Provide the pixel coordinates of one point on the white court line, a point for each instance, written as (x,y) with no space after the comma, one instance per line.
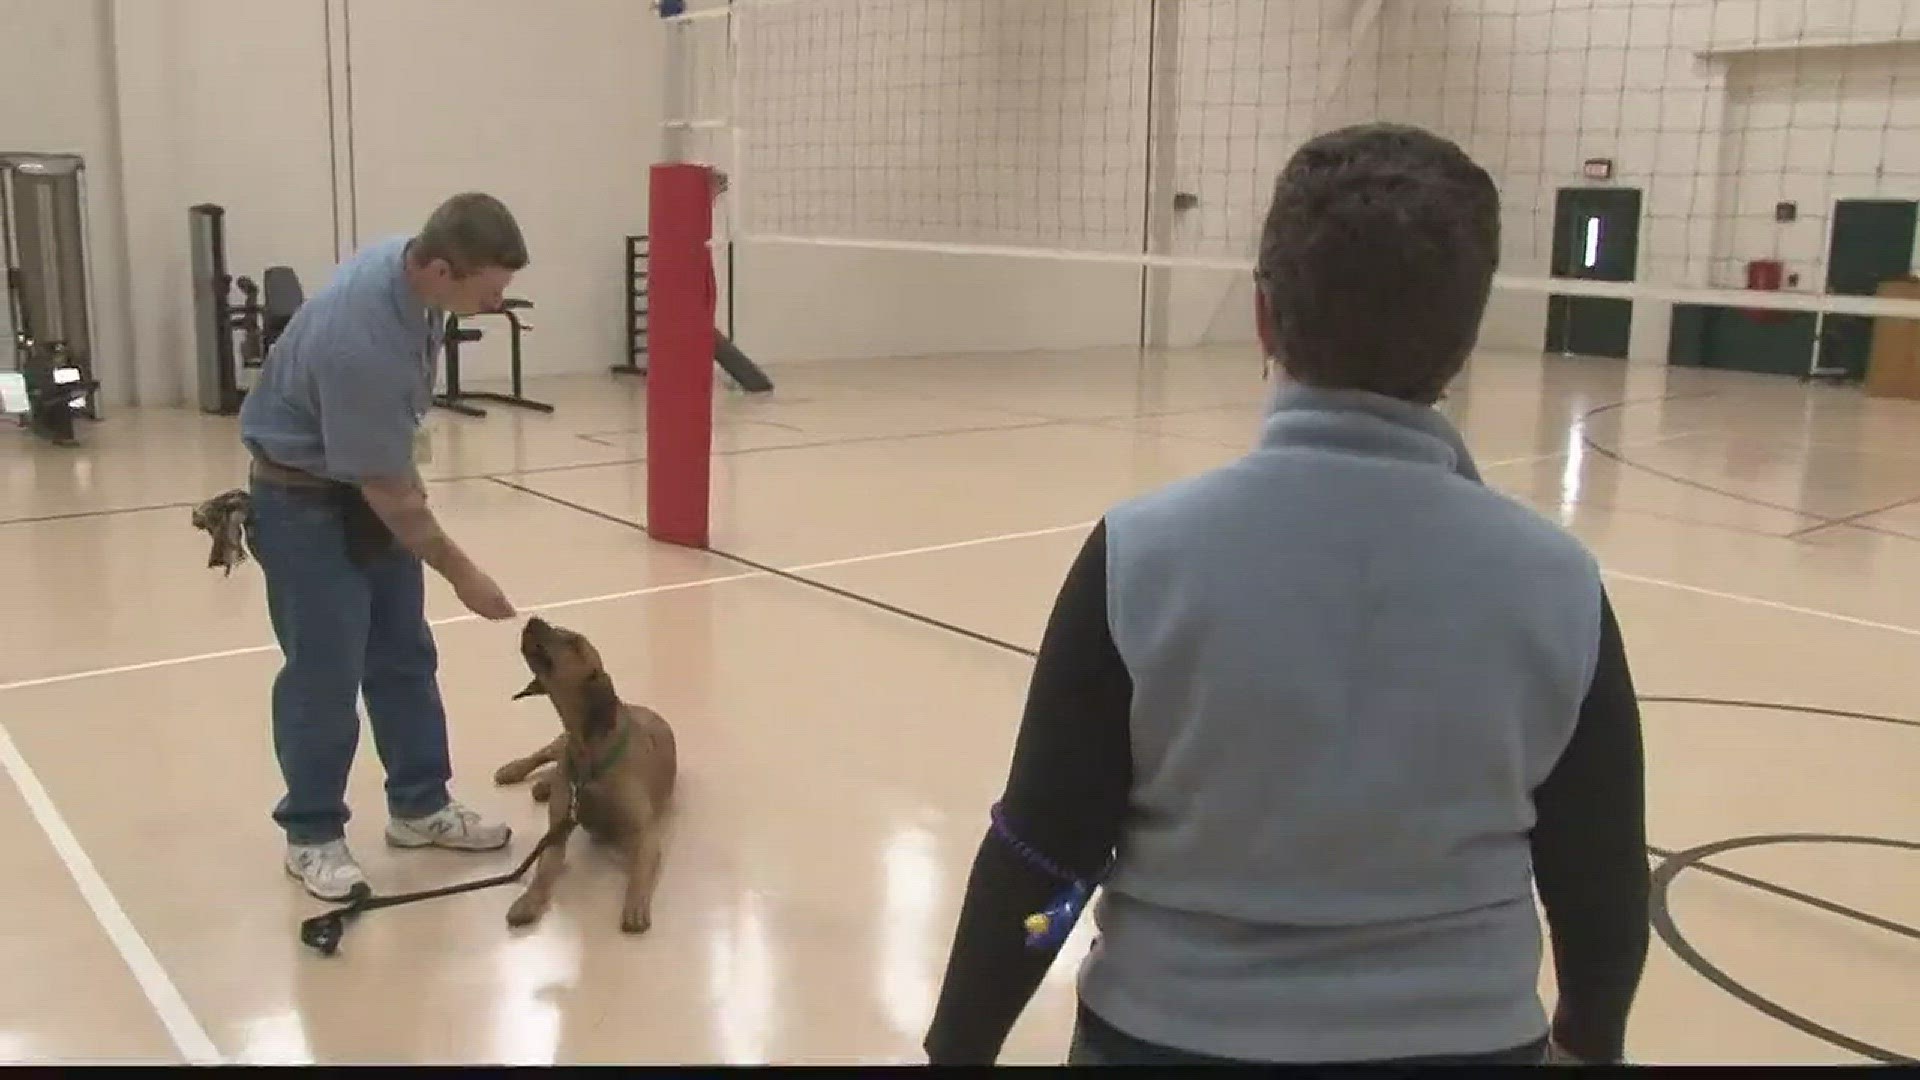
(182,1027)
(1528,460)
(935,548)
(249,650)
(1636,444)
(188,1036)
(185,1030)
(1777,605)
(857,560)
(556,605)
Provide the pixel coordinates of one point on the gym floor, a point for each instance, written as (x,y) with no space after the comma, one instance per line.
(1762,540)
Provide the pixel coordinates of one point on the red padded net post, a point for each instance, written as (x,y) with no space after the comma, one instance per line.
(681,294)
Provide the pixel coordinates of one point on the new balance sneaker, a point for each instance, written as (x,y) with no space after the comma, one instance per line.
(453,826)
(326,870)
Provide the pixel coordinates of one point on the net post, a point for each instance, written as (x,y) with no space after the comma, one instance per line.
(682,297)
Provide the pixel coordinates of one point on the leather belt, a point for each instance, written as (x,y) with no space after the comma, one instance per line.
(267,469)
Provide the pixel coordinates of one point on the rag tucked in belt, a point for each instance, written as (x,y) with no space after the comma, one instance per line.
(228,517)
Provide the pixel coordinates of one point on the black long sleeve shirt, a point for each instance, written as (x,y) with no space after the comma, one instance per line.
(1068,790)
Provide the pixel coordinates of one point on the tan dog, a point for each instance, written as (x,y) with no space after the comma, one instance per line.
(612,771)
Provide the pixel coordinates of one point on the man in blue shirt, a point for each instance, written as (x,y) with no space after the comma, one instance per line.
(342,530)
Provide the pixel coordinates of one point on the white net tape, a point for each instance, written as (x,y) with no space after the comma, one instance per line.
(1150,131)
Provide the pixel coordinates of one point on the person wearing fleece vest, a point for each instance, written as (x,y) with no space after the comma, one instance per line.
(1316,723)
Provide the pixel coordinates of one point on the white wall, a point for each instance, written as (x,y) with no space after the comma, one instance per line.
(224,102)
(553,108)
(227,101)
(985,122)
(805,303)
(57,96)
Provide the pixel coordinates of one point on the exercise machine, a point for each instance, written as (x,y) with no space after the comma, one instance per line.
(737,365)
(455,399)
(49,287)
(260,315)
(636,308)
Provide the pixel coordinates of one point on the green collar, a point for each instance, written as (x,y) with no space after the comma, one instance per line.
(591,771)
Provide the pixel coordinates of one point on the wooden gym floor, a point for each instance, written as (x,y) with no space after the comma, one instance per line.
(1762,540)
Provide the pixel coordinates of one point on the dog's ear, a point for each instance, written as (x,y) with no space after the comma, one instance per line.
(534,689)
(602,703)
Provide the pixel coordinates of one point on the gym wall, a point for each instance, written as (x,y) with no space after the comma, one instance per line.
(319,124)
(56,95)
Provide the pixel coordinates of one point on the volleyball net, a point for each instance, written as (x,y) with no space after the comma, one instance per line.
(1679,178)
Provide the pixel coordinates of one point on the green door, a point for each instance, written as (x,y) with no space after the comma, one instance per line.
(1596,237)
(1872,242)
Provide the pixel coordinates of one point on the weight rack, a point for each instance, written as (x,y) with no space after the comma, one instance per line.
(636,330)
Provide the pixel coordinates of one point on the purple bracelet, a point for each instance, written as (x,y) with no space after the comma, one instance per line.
(1025,851)
(1048,928)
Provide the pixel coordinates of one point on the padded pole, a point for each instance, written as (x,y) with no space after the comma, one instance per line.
(682,299)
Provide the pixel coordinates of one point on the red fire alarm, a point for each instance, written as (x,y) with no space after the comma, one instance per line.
(1597,168)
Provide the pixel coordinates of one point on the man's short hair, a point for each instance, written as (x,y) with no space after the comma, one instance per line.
(472,232)
(1377,260)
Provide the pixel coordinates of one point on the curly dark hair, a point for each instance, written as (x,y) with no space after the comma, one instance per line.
(1377,260)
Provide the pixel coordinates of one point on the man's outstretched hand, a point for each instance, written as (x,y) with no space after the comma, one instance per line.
(481,594)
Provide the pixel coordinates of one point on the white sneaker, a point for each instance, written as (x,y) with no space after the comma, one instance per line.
(327,870)
(454,826)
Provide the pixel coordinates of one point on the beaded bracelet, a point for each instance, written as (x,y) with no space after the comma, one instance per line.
(1048,927)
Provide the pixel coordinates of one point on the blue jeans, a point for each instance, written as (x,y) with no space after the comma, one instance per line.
(346,630)
(1096,1042)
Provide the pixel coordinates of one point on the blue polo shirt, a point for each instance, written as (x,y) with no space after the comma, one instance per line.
(348,382)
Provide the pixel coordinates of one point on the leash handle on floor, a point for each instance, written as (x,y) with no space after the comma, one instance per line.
(324,931)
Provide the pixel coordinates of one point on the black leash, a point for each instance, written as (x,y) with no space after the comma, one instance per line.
(323,932)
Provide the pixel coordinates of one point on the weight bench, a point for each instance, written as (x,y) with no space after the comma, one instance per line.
(265,310)
(455,399)
(282,298)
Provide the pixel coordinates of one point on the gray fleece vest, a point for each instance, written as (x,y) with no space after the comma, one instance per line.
(1352,663)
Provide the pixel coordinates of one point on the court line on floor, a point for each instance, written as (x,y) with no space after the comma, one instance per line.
(1030,653)
(183,1027)
(744,451)
(1030,420)
(580,466)
(1855,519)
(192,1040)
(792,572)
(1761,601)
(112,511)
(816,444)
(1881,530)
(250,650)
(556,605)
(1816,522)
(168,1003)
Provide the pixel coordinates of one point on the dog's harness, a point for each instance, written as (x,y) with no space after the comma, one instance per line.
(579,773)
